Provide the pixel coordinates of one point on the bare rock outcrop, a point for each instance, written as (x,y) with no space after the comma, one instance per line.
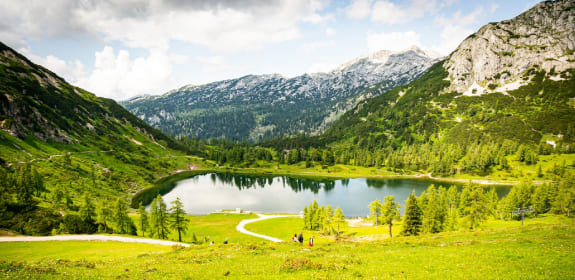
(542,38)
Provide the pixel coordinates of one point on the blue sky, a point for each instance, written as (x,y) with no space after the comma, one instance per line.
(124,48)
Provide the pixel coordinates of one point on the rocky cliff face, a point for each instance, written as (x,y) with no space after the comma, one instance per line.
(499,56)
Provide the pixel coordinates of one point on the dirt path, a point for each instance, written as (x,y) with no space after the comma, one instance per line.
(86,237)
(262,217)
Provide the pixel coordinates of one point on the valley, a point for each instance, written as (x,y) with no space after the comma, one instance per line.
(397,164)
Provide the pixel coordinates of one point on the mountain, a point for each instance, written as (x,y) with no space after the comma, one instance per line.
(59,142)
(256,107)
(510,81)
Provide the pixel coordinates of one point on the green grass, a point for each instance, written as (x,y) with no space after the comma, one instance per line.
(216,227)
(542,249)
(76,250)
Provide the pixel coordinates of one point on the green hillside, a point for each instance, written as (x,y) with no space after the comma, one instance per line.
(59,142)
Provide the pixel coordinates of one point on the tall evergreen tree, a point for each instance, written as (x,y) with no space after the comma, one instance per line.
(103,215)
(143,218)
(413,218)
(390,211)
(178,220)
(159,218)
(474,205)
(338,218)
(87,210)
(375,211)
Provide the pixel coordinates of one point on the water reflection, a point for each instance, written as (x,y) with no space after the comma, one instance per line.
(203,194)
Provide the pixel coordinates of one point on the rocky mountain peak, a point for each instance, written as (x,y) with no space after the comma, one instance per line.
(498,56)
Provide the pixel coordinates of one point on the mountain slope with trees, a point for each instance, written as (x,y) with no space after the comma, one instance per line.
(258,107)
(59,142)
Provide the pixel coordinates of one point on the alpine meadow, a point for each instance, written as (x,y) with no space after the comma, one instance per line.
(416,162)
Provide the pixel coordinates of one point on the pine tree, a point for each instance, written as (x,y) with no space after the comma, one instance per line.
(159,218)
(178,222)
(565,198)
(339,218)
(122,223)
(143,219)
(306,219)
(103,215)
(87,210)
(390,211)
(375,211)
(413,216)
(474,205)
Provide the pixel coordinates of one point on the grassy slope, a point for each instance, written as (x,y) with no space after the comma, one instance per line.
(542,249)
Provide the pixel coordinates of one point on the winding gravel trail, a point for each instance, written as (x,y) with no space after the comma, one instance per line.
(262,217)
(86,237)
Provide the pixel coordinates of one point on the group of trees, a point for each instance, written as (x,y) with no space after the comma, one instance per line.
(161,220)
(439,209)
(323,218)
(384,213)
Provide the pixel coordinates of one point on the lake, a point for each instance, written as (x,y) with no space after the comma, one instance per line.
(204,194)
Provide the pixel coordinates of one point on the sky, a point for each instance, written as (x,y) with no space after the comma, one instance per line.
(124,48)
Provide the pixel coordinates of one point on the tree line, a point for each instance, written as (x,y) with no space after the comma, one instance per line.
(439,209)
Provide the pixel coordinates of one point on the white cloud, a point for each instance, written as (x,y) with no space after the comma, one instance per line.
(359,9)
(217,24)
(388,12)
(395,41)
(69,70)
(121,77)
(211,64)
(320,67)
(315,46)
(493,7)
(330,31)
(455,29)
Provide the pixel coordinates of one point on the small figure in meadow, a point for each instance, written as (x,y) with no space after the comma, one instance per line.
(212,243)
(226,241)
(294,238)
(310,242)
(300,238)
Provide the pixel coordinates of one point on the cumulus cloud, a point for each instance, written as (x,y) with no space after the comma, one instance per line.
(318,45)
(69,70)
(388,12)
(120,77)
(359,9)
(455,29)
(394,41)
(320,67)
(218,24)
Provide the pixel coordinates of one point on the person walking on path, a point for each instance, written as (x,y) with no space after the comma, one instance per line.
(310,242)
(300,238)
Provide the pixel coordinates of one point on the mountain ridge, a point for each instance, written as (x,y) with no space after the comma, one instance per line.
(278,105)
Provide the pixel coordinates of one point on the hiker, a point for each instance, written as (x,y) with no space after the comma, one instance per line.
(226,241)
(212,243)
(300,238)
(310,242)
(294,238)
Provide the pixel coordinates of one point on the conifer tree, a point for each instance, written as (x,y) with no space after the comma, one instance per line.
(375,211)
(143,218)
(87,210)
(339,218)
(390,211)
(178,220)
(413,216)
(103,215)
(474,205)
(159,218)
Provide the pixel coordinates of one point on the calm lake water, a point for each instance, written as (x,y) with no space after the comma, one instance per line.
(204,194)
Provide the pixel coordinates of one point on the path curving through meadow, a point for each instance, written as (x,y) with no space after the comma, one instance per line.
(262,217)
